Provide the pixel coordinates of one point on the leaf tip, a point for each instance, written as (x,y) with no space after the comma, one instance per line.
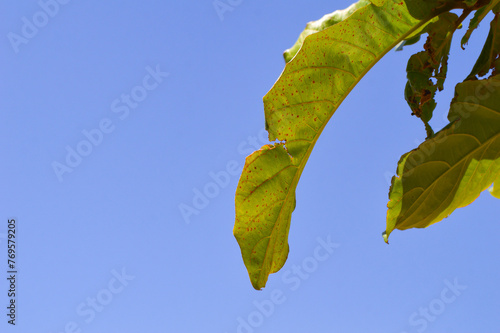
(256,286)
(494,190)
(385,235)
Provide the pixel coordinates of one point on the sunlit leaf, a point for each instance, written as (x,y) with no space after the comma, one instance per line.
(312,86)
(263,214)
(451,169)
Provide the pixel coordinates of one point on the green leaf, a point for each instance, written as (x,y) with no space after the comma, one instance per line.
(430,64)
(479,15)
(451,169)
(473,24)
(323,23)
(262,213)
(489,57)
(297,108)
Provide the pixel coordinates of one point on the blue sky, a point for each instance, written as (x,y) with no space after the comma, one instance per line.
(163,100)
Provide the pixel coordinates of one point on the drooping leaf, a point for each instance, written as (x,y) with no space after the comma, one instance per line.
(479,15)
(473,24)
(263,236)
(451,169)
(314,83)
(321,24)
(426,66)
(490,54)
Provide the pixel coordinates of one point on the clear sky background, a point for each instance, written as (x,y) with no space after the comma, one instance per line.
(103,247)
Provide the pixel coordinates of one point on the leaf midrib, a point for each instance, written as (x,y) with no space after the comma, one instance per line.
(301,165)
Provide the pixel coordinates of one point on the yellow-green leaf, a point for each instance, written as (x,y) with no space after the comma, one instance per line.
(314,83)
(450,170)
(263,214)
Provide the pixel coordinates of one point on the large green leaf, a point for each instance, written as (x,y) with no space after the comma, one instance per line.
(312,86)
(451,169)
(326,21)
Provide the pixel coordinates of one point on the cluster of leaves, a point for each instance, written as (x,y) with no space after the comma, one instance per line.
(448,170)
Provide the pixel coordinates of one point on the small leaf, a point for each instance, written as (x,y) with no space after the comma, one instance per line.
(451,169)
(323,23)
(473,24)
(426,66)
(479,15)
(490,53)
